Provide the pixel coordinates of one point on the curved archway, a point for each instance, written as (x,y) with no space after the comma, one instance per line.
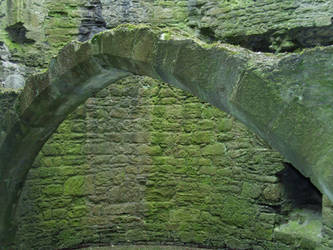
(285,99)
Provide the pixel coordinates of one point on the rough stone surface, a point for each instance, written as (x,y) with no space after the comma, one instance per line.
(34,30)
(92,20)
(125,11)
(145,162)
(266,25)
(252,86)
(327,223)
(163,12)
(11,74)
(14,81)
(41,28)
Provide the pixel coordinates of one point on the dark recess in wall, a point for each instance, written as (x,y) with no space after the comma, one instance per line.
(299,190)
(208,34)
(17,33)
(275,41)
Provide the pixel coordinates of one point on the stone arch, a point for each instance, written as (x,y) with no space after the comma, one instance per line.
(286,99)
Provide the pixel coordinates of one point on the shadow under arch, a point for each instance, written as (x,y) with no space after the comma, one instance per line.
(286,99)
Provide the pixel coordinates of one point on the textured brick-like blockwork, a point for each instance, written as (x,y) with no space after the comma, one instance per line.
(145,162)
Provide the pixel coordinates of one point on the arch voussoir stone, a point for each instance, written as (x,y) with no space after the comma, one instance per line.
(274,95)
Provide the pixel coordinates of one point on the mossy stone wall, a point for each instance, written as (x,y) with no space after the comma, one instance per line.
(266,25)
(7,99)
(163,12)
(52,206)
(133,163)
(49,26)
(144,162)
(327,223)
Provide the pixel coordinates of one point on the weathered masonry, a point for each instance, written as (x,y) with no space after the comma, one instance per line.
(283,98)
(96,151)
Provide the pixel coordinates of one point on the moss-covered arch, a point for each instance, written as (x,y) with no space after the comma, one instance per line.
(285,99)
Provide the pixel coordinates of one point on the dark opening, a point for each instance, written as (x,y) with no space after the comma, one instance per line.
(276,41)
(300,192)
(208,34)
(17,33)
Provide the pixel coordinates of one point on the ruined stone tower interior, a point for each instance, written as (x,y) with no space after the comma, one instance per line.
(159,124)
